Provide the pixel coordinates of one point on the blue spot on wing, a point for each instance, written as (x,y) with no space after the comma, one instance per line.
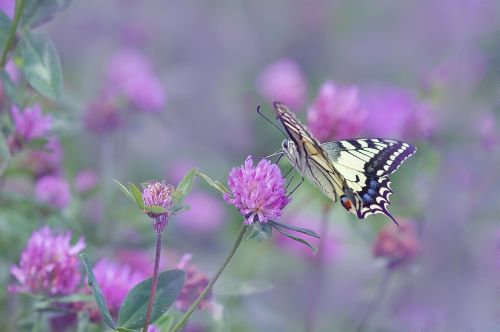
(372,192)
(373,184)
(367,198)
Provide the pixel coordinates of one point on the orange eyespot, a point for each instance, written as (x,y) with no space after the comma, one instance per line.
(346,203)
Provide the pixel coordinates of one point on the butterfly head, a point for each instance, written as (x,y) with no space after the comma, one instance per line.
(289,148)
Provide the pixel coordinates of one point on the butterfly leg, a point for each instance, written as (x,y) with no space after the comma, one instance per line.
(288,172)
(289,181)
(296,187)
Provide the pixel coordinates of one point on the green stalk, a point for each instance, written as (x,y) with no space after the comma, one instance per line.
(154,282)
(12,32)
(193,307)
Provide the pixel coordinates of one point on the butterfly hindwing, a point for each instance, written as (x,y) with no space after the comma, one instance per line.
(356,170)
(366,164)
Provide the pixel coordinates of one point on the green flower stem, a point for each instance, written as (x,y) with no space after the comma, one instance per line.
(377,299)
(154,284)
(193,307)
(315,297)
(12,32)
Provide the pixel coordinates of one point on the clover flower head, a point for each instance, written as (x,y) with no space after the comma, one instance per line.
(53,190)
(336,112)
(283,80)
(397,244)
(158,194)
(115,280)
(131,75)
(257,192)
(102,116)
(48,161)
(85,181)
(31,123)
(49,264)
(195,283)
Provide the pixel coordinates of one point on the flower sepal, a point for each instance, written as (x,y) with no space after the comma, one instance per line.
(259,231)
(221,188)
(183,188)
(283,229)
(38,144)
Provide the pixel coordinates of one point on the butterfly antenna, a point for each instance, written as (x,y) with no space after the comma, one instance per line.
(271,122)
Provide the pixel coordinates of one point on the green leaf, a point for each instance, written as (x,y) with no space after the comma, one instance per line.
(137,194)
(37,12)
(124,190)
(180,209)
(133,310)
(37,143)
(155,209)
(295,238)
(5,23)
(96,290)
(4,154)
(260,231)
(165,322)
(72,298)
(40,64)
(184,187)
(296,229)
(213,183)
(122,329)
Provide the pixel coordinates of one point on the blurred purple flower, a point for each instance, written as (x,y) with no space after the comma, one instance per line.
(85,181)
(206,214)
(8,7)
(49,264)
(102,117)
(48,161)
(336,113)
(395,113)
(138,260)
(115,280)
(53,191)
(258,193)
(31,123)
(283,81)
(130,75)
(460,73)
(331,244)
(63,322)
(397,244)
(488,131)
(195,283)
(152,328)
(159,194)
(12,70)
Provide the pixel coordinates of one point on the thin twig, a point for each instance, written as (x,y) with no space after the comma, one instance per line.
(195,305)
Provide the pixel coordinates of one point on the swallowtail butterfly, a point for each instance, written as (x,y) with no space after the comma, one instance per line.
(356,171)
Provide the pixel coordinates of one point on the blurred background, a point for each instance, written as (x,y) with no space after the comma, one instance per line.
(154,88)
